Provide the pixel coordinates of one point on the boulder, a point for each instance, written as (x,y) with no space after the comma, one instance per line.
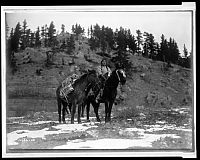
(157,99)
(139,107)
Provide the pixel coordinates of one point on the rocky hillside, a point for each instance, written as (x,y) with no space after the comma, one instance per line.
(149,86)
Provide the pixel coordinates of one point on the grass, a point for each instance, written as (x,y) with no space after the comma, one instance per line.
(126,113)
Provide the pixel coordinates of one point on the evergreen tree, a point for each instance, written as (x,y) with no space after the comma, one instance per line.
(24,35)
(71,44)
(185,52)
(16,38)
(62,28)
(145,50)
(163,49)
(28,35)
(46,36)
(103,44)
(77,30)
(52,41)
(37,38)
(131,41)
(173,52)
(63,45)
(139,41)
(88,32)
(121,39)
(152,47)
(109,38)
(123,58)
(32,39)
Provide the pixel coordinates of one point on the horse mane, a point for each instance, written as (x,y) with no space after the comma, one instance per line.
(82,77)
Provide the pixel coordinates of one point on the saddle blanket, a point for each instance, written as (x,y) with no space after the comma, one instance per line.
(67,85)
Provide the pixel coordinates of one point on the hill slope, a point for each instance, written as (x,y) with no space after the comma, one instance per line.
(149,85)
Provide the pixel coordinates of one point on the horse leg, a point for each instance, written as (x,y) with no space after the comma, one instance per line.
(65,104)
(59,109)
(88,111)
(106,112)
(96,109)
(79,113)
(82,111)
(73,110)
(70,107)
(63,111)
(109,110)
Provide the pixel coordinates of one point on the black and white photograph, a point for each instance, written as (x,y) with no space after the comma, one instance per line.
(98,80)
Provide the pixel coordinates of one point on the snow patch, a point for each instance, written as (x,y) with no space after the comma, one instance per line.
(62,128)
(146,141)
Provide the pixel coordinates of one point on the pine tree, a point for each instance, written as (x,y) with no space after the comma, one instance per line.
(146,44)
(52,41)
(24,35)
(185,52)
(62,28)
(37,38)
(163,49)
(46,36)
(123,58)
(173,52)
(32,39)
(152,47)
(71,44)
(131,41)
(103,44)
(16,38)
(28,35)
(77,30)
(139,41)
(121,39)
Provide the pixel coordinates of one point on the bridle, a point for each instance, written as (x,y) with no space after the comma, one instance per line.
(120,70)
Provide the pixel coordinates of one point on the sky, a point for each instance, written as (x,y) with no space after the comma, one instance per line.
(176,24)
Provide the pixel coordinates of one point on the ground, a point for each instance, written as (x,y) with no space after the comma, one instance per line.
(154,111)
(169,129)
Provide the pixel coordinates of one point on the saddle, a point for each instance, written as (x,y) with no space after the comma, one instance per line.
(67,85)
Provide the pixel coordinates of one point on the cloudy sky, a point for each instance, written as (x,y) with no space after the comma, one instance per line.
(175,24)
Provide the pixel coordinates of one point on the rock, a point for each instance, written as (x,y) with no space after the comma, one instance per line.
(158,99)
(139,107)
(187,100)
(142,75)
(142,116)
(146,77)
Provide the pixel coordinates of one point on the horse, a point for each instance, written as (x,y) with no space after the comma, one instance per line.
(109,94)
(77,97)
(92,96)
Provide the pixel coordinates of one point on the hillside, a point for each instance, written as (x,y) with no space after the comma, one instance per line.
(152,111)
(148,86)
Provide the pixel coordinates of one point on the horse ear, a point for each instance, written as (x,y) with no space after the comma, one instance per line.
(89,70)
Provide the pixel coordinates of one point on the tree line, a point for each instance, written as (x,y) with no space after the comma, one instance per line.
(103,39)
(144,44)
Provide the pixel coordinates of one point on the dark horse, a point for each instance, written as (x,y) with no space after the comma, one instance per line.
(77,97)
(109,94)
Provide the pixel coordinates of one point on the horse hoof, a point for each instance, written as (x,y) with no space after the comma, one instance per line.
(59,122)
(98,120)
(88,120)
(64,122)
(82,116)
(72,122)
(79,122)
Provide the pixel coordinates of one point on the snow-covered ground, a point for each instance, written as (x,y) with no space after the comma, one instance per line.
(137,137)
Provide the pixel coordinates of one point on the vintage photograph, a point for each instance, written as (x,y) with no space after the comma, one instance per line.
(89,80)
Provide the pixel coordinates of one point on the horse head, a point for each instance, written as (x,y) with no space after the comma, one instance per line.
(121,76)
(92,76)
